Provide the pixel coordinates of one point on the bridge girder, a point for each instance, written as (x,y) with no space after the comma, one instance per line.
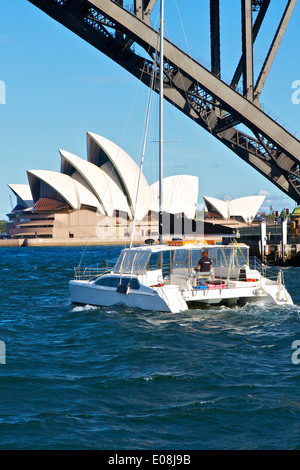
(196,91)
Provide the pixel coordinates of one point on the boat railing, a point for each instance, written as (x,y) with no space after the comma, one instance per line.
(90,273)
(268,272)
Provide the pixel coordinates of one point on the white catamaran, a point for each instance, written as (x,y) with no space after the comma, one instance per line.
(164,277)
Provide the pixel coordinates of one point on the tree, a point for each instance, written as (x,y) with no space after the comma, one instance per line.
(3,226)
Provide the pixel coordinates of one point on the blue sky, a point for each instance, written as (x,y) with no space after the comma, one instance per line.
(58,87)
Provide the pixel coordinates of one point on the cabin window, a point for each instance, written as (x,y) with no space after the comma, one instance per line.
(132,282)
(115,281)
(181,259)
(132,262)
(154,261)
(108,281)
(141,262)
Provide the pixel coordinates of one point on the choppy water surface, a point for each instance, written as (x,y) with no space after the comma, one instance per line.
(115,378)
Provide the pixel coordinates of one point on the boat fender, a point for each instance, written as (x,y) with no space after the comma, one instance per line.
(281,296)
(259,292)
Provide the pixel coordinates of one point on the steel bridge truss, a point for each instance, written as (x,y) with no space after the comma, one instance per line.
(198,92)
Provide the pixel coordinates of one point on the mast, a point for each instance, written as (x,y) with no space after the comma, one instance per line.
(161,115)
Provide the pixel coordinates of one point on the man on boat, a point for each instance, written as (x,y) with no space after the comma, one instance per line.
(204,263)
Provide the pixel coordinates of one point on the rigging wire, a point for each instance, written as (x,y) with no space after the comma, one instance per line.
(197,129)
(144,142)
(170,122)
(133,103)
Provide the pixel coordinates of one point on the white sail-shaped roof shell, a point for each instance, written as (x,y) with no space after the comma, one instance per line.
(217,205)
(122,169)
(22,191)
(109,195)
(245,207)
(180,195)
(73,192)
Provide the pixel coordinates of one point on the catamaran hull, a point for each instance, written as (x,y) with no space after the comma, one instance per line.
(86,294)
(171,299)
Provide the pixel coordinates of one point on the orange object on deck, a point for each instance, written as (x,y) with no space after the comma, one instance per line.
(191,242)
(182,242)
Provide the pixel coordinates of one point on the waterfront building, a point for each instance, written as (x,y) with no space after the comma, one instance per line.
(95,199)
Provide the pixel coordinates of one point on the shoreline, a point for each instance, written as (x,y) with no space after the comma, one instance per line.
(43,243)
(48,242)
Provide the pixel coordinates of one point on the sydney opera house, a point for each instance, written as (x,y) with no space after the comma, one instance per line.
(243,209)
(96,199)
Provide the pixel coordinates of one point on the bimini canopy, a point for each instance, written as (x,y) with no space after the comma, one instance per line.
(121,168)
(180,195)
(108,194)
(23,194)
(57,186)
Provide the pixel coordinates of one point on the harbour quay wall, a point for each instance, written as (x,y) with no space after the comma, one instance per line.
(11,242)
(27,242)
(20,242)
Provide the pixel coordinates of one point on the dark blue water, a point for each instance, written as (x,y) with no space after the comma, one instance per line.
(115,378)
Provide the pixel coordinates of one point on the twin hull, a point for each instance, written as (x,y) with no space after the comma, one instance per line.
(169,298)
(163,278)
